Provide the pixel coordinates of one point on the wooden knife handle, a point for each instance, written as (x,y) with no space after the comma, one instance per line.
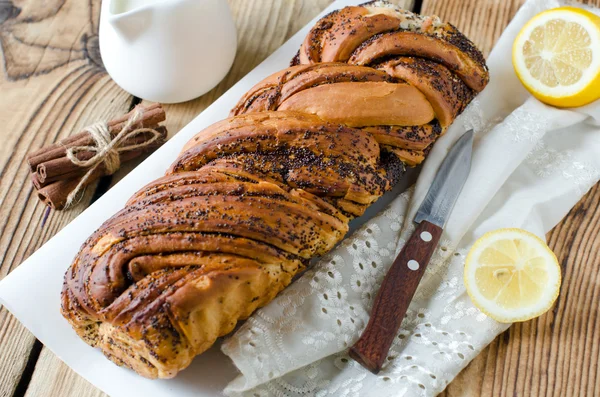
(394,296)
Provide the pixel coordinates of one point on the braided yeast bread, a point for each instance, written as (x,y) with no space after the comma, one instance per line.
(252,199)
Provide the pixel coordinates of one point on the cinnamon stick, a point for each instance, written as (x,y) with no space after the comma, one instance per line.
(55,194)
(35,181)
(54,169)
(151,116)
(63,167)
(55,176)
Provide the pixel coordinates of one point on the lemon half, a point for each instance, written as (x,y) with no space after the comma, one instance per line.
(511,275)
(557,56)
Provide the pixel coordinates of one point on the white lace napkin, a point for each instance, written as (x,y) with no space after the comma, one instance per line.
(531,164)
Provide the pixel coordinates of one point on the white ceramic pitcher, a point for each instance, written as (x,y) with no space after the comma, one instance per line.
(167,50)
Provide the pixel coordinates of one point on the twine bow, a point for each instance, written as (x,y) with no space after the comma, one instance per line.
(107,149)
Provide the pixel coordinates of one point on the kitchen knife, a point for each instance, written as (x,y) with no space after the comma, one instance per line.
(401,281)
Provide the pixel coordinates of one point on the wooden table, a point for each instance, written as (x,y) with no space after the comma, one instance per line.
(52,83)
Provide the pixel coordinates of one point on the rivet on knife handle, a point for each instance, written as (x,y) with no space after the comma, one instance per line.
(394,296)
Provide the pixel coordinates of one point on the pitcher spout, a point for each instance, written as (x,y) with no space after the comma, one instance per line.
(130,22)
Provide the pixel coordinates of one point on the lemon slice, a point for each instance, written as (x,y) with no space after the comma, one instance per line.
(511,275)
(557,56)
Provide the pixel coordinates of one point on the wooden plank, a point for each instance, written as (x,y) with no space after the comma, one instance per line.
(16,344)
(558,353)
(52,84)
(263,26)
(58,380)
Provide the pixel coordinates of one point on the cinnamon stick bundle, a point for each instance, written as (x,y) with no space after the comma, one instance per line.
(55,176)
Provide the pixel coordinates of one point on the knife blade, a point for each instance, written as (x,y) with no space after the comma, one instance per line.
(447,183)
(403,277)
